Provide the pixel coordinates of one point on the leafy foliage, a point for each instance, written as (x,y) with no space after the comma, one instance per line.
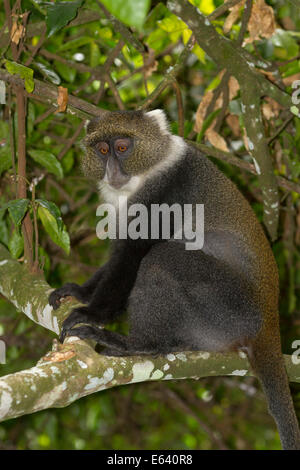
(59,14)
(24,72)
(131,12)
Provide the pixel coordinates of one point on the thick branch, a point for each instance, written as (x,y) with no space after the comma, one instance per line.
(29,293)
(48,94)
(230,56)
(74,370)
(238,162)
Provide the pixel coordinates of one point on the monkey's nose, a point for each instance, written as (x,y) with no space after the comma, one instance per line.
(114,175)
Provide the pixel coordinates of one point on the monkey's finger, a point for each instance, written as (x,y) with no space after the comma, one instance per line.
(54,300)
(69,289)
(85,332)
(78,315)
(62,335)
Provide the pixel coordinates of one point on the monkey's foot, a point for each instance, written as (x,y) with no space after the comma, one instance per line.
(115,343)
(85,332)
(69,289)
(78,315)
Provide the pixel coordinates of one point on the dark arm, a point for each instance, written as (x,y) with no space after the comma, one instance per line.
(82,293)
(116,280)
(111,293)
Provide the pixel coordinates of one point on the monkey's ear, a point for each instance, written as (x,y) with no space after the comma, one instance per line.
(92,125)
(161,119)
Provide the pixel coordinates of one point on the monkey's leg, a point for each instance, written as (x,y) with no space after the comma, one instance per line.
(267,361)
(185,300)
(115,344)
(82,293)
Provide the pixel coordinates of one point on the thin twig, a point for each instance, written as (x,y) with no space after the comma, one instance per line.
(12,139)
(222,9)
(170,75)
(44,116)
(115,92)
(36,48)
(245,20)
(280,129)
(176,398)
(27,228)
(47,93)
(179,108)
(71,141)
(35,267)
(233,160)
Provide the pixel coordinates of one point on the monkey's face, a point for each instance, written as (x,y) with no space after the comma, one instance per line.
(120,145)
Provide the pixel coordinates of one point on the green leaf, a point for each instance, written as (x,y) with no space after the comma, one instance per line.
(44,260)
(24,72)
(47,160)
(65,71)
(30,118)
(5,159)
(4,238)
(95,54)
(76,43)
(53,209)
(205,6)
(59,14)
(286,46)
(17,209)
(174,27)
(5,152)
(68,161)
(157,40)
(130,12)
(2,92)
(48,73)
(16,244)
(59,237)
(207,122)
(186,34)
(295,110)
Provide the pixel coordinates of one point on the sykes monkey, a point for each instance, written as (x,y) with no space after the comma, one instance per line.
(223,297)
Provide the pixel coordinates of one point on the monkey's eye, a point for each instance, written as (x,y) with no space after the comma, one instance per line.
(103,148)
(122,145)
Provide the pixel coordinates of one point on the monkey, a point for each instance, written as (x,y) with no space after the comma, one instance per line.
(223,297)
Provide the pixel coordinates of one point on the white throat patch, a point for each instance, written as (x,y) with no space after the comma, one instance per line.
(111,194)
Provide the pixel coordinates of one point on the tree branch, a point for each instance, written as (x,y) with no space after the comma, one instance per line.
(48,93)
(230,56)
(74,370)
(238,162)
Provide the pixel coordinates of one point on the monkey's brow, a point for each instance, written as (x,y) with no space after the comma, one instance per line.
(94,138)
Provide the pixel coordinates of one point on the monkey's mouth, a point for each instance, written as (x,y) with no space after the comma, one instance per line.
(117,181)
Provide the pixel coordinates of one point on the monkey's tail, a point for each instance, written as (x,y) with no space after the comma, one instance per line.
(267,361)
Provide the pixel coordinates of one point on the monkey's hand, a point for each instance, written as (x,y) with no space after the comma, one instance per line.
(78,315)
(88,316)
(69,289)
